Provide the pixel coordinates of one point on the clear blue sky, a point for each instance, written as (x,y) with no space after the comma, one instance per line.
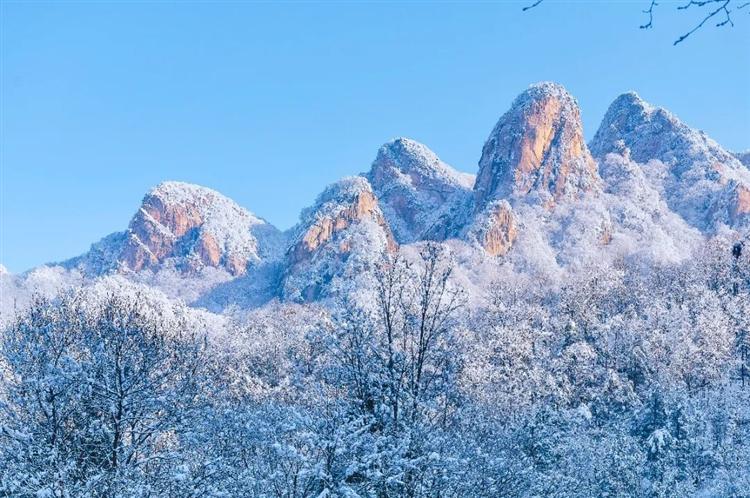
(268,103)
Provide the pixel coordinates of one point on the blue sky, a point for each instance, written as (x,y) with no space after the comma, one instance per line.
(268,103)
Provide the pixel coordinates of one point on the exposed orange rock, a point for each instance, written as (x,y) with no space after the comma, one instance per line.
(501,231)
(536,141)
(537,146)
(742,202)
(155,229)
(364,206)
(171,223)
(179,218)
(209,250)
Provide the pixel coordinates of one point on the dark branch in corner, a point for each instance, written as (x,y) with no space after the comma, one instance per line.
(722,9)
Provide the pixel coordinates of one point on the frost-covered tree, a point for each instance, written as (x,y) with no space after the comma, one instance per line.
(99,399)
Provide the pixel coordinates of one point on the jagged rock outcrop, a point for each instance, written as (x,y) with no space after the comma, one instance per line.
(339,237)
(420,195)
(537,147)
(495,228)
(343,204)
(189,227)
(700,177)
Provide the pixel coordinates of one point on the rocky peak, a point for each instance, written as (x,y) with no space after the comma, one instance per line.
(346,202)
(537,147)
(632,123)
(700,172)
(336,238)
(194,223)
(650,132)
(405,157)
(417,191)
(189,226)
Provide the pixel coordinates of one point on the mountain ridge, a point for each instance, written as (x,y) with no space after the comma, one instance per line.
(542,200)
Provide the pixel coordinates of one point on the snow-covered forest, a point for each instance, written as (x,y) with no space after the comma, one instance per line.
(626,381)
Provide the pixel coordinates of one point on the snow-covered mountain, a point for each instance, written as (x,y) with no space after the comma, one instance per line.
(543,202)
(536,155)
(573,311)
(187,227)
(537,149)
(419,194)
(700,180)
(337,239)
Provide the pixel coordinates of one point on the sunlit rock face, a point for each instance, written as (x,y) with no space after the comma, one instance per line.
(537,148)
(420,195)
(495,228)
(344,204)
(196,227)
(535,155)
(702,182)
(338,238)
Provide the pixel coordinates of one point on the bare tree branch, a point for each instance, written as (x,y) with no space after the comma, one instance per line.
(650,12)
(532,5)
(723,9)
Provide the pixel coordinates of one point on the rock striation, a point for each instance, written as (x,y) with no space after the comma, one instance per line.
(344,232)
(188,227)
(537,148)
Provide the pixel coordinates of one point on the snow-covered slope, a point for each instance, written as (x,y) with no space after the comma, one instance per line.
(702,182)
(419,194)
(743,157)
